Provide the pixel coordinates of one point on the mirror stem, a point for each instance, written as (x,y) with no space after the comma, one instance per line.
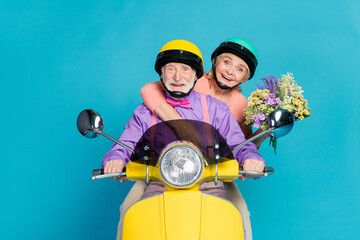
(116,141)
(252,139)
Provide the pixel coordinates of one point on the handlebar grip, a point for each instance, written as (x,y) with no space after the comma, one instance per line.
(98,171)
(101,171)
(266,169)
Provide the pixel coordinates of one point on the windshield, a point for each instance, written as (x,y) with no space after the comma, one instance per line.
(201,134)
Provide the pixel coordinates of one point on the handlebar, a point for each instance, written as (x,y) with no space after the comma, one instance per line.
(265,173)
(99,173)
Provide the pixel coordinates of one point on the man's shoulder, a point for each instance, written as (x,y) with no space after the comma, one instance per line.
(213,102)
(209,99)
(142,109)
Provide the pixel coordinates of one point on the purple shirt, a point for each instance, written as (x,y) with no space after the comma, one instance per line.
(220,117)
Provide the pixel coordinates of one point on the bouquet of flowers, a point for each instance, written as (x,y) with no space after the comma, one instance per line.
(275,94)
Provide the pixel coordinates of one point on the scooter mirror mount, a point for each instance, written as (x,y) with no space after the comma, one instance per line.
(90,124)
(279,123)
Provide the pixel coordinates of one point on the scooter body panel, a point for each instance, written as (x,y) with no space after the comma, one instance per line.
(220,219)
(183,215)
(145,220)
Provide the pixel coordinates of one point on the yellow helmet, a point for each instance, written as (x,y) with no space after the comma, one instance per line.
(180,51)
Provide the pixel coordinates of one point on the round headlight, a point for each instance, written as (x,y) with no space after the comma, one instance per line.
(181,164)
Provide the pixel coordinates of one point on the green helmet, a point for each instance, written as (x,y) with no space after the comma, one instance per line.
(241,48)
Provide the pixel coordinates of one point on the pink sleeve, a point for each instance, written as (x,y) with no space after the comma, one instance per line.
(237,103)
(153,95)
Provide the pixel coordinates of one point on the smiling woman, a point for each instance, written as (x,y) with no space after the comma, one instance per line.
(231,70)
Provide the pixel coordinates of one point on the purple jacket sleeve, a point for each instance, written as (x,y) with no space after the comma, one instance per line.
(231,131)
(131,135)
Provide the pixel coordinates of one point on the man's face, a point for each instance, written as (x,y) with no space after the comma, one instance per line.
(178,77)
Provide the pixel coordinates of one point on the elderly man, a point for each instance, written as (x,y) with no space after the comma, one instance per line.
(179,64)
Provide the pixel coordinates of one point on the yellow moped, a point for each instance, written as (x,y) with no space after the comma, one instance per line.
(182,211)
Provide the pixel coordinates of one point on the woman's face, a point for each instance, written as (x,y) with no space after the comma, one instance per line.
(231,70)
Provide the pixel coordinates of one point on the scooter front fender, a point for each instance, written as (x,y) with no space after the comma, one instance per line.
(183,215)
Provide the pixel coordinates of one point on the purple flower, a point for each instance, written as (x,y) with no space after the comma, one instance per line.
(271,100)
(262,117)
(275,83)
(267,100)
(259,87)
(258,118)
(271,83)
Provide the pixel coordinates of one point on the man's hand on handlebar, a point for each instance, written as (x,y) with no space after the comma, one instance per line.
(115,166)
(252,165)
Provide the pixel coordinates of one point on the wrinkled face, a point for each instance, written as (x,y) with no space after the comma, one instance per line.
(178,77)
(231,70)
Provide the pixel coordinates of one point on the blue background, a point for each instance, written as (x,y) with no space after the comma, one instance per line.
(57,59)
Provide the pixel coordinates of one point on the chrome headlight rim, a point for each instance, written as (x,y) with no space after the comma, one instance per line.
(190,146)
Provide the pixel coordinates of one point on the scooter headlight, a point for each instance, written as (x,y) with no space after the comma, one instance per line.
(181,164)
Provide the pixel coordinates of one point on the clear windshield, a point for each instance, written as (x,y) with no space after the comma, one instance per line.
(201,134)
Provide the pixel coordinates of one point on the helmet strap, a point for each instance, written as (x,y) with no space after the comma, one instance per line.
(220,84)
(177,94)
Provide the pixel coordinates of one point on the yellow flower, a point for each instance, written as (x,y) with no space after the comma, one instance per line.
(264,95)
(255,99)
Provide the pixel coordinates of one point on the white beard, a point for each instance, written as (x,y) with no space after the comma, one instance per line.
(185,89)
